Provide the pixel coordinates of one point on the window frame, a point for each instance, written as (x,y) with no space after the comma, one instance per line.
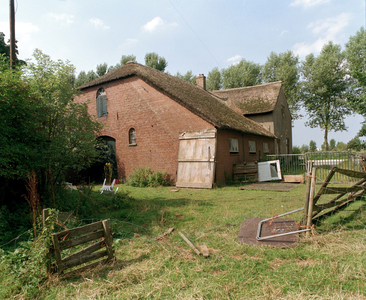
(132,137)
(233,146)
(101,99)
(251,145)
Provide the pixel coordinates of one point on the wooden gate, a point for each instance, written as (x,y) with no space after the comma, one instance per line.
(196,159)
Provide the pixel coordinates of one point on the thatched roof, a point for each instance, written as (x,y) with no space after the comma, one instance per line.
(200,102)
(250,100)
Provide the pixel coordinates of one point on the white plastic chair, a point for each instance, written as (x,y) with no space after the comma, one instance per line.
(108,188)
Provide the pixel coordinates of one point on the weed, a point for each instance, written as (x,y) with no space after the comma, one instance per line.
(143,177)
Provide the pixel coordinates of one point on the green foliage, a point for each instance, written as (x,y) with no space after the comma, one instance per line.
(81,79)
(332,144)
(245,73)
(356,61)
(22,140)
(68,128)
(143,177)
(102,69)
(312,146)
(187,77)
(356,144)
(153,60)
(285,67)
(127,58)
(214,81)
(324,90)
(341,146)
(296,150)
(27,264)
(91,75)
(304,148)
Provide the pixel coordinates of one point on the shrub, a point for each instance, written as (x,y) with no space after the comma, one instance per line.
(143,177)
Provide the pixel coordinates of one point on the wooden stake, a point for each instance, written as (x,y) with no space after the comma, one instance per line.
(189,243)
(164,234)
(311,201)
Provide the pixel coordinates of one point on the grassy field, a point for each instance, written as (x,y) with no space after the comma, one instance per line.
(329,265)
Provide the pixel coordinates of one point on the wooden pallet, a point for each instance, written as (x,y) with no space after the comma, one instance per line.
(246,172)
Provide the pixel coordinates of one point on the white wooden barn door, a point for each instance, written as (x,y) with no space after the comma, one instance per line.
(196,159)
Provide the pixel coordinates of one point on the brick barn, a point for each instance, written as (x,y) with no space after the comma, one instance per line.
(157,120)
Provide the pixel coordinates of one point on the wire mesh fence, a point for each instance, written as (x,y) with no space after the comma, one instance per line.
(296,164)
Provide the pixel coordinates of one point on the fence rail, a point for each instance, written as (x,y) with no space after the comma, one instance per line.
(296,164)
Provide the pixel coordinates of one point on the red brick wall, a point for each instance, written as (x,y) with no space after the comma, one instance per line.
(157,119)
(225,160)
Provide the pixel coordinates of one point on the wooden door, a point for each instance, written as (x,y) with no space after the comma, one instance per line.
(196,159)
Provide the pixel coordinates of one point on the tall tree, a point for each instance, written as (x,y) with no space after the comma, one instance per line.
(324,90)
(245,73)
(312,146)
(214,81)
(153,60)
(102,69)
(356,62)
(91,75)
(124,59)
(81,79)
(284,67)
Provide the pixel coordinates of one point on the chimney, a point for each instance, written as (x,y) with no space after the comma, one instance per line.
(201,81)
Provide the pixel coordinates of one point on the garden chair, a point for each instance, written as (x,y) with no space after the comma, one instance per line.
(108,188)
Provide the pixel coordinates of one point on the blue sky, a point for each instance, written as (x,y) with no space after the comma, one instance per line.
(192,35)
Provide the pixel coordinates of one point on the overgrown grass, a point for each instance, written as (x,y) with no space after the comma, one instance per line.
(329,265)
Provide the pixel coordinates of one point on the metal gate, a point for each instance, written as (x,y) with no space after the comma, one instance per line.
(196,159)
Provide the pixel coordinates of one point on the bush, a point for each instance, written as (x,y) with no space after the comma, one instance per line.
(143,177)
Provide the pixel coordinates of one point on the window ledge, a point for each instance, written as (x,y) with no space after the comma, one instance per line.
(132,145)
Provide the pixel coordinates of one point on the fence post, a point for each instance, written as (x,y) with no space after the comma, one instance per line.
(45,215)
(309,168)
(108,238)
(311,200)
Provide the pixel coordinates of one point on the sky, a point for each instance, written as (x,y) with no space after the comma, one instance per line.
(196,35)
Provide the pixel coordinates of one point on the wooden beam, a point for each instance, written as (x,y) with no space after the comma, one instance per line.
(81,240)
(189,243)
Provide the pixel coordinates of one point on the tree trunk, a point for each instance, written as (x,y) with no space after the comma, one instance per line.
(326,139)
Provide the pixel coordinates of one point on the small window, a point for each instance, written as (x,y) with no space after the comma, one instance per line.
(132,137)
(265,148)
(101,103)
(234,145)
(252,147)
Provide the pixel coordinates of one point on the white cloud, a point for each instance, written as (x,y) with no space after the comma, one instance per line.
(65,19)
(326,30)
(235,59)
(309,3)
(157,23)
(283,32)
(97,23)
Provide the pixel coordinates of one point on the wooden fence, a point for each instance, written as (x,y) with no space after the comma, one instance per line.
(100,231)
(344,195)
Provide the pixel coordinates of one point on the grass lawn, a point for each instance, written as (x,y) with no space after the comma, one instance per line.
(329,265)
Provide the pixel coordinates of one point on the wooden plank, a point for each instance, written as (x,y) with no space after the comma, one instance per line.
(81,240)
(164,234)
(79,230)
(325,183)
(311,200)
(194,160)
(86,251)
(321,207)
(108,238)
(199,185)
(350,173)
(342,190)
(307,195)
(57,252)
(203,134)
(84,259)
(189,243)
(45,214)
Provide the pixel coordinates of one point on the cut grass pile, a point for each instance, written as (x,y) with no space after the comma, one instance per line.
(329,265)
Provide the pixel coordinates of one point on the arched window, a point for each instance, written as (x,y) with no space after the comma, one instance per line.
(101,103)
(132,136)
